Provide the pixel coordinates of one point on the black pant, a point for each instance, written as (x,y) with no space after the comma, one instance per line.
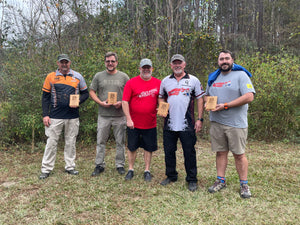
(188,140)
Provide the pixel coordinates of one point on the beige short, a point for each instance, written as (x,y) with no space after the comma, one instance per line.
(225,138)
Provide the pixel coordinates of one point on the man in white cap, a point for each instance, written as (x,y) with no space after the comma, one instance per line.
(181,89)
(58,114)
(139,104)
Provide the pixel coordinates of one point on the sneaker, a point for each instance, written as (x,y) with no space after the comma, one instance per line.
(245,191)
(44,176)
(147,176)
(72,172)
(97,171)
(167,181)
(192,186)
(218,185)
(121,170)
(129,175)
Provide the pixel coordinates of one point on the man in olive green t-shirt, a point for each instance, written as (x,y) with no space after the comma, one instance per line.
(109,115)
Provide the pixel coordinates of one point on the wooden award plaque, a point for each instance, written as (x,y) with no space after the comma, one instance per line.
(112,97)
(211,102)
(74,100)
(163,109)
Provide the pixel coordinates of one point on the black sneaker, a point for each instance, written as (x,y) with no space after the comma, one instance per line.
(147,176)
(44,176)
(167,181)
(192,186)
(97,171)
(129,175)
(72,172)
(121,170)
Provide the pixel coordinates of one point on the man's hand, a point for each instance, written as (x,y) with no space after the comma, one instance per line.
(198,126)
(118,104)
(105,104)
(47,121)
(130,124)
(219,107)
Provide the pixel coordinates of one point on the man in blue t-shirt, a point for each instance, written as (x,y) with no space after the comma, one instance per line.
(229,126)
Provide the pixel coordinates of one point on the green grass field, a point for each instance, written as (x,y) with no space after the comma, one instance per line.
(108,199)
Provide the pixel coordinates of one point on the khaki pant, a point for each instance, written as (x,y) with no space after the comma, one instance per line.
(71,128)
(105,123)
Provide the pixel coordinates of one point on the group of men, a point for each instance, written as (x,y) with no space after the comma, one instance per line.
(136,109)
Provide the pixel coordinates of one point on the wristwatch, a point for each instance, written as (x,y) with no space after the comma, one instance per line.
(225,106)
(201,119)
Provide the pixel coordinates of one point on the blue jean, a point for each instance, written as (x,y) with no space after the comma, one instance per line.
(188,140)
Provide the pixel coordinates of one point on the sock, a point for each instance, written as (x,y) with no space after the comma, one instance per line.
(222,179)
(147,171)
(243,182)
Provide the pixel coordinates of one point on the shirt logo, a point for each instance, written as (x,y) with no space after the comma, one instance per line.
(148,93)
(221,84)
(249,86)
(176,91)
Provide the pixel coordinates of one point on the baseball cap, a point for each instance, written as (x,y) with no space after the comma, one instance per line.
(63,57)
(145,62)
(177,57)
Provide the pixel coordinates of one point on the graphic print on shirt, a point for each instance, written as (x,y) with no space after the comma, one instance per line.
(222,84)
(152,93)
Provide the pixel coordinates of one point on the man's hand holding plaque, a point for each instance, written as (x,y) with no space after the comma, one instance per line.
(74,101)
(163,109)
(211,102)
(112,98)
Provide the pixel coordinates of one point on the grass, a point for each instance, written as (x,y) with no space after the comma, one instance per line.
(108,199)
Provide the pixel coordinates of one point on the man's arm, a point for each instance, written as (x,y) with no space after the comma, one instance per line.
(84,95)
(46,101)
(244,99)
(125,107)
(198,123)
(97,100)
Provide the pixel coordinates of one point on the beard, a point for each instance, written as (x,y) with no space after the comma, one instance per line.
(146,76)
(178,71)
(228,68)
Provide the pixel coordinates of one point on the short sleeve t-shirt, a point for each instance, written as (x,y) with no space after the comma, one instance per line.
(103,83)
(227,88)
(180,95)
(142,97)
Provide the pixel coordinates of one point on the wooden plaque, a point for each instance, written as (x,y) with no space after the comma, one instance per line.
(163,109)
(112,97)
(74,100)
(211,102)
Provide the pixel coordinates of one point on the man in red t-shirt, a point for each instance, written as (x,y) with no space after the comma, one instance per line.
(139,103)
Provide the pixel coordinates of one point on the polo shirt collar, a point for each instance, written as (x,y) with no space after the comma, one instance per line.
(186,76)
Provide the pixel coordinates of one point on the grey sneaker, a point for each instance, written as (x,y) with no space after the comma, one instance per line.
(218,185)
(245,191)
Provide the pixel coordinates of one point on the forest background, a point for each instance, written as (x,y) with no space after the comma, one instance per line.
(263,34)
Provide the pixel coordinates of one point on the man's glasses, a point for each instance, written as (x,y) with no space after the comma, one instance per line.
(110,61)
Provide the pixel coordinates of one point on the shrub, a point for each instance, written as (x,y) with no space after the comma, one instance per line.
(273,113)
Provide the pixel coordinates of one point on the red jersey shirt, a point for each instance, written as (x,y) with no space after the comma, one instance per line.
(142,97)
